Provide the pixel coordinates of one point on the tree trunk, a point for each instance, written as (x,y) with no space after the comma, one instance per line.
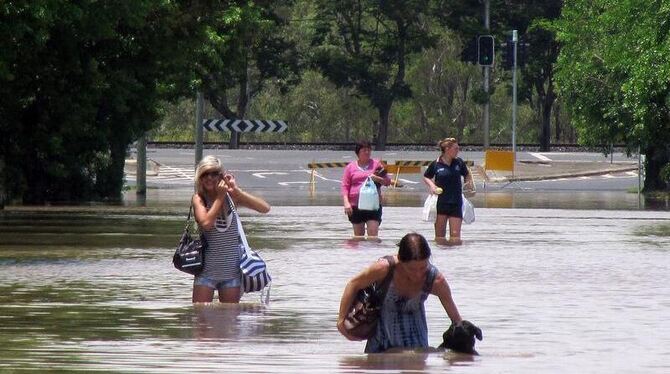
(545,133)
(462,119)
(113,173)
(2,184)
(557,122)
(382,131)
(546,104)
(234,140)
(656,156)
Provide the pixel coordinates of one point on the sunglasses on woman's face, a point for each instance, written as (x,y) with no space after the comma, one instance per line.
(212,174)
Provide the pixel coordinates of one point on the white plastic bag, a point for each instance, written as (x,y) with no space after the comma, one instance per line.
(429,208)
(468,211)
(368,198)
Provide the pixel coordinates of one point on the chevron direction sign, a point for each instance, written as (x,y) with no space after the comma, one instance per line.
(244,125)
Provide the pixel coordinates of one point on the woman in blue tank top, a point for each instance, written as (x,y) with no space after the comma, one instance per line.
(402,323)
(216,192)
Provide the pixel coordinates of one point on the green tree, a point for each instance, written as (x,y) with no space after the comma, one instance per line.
(442,86)
(524,16)
(366,45)
(79,81)
(612,74)
(246,49)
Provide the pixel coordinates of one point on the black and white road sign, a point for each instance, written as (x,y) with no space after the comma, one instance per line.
(244,125)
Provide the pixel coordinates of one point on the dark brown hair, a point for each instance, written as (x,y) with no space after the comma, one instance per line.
(362,144)
(413,247)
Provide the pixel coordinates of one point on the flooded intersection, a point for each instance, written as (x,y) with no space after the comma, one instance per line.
(552,289)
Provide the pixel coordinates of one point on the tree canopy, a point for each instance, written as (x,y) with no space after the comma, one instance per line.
(613,74)
(367,44)
(79,81)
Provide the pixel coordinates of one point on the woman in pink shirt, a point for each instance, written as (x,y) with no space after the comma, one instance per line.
(355,175)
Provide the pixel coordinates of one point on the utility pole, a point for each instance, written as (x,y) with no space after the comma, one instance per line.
(198,127)
(487,78)
(141,174)
(515,42)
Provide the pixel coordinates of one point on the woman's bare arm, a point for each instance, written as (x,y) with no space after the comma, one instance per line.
(441,290)
(373,273)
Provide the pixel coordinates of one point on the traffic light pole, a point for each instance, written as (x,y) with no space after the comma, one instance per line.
(487,78)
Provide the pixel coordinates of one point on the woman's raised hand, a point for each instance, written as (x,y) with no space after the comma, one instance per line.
(230,184)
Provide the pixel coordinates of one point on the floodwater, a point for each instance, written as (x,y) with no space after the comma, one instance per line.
(554,290)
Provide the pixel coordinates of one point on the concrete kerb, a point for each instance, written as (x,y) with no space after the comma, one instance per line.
(130,167)
(521,178)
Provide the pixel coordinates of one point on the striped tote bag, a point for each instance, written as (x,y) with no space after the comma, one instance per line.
(255,276)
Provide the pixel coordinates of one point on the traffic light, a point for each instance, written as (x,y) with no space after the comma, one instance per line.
(469,52)
(508,53)
(522,53)
(485,50)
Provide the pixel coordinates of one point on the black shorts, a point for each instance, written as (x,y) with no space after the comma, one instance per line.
(361,216)
(450,210)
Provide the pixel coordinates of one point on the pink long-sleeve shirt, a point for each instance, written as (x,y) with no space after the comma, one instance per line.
(354,177)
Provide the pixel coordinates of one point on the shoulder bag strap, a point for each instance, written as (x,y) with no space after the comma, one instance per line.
(240,229)
(188,219)
(389,276)
(430,278)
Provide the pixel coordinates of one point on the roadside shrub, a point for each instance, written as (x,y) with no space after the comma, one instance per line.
(665,174)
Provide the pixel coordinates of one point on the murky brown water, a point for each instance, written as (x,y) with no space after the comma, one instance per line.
(553,291)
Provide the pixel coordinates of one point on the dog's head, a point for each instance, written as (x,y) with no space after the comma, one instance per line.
(461,337)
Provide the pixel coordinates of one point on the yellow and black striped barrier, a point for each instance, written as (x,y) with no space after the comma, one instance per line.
(322,165)
(413,163)
(424,163)
(411,167)
(400,166)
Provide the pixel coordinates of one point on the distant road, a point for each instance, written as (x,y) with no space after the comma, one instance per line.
(287,169)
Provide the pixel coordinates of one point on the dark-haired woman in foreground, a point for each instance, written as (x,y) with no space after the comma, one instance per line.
(403,317)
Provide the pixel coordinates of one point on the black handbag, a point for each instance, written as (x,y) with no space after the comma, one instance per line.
(190,254)
(363,316)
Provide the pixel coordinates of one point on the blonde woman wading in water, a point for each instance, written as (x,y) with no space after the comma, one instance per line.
(443,178)
(216,192)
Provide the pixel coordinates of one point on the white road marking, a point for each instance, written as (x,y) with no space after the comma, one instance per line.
(287,183)
(539,156)
(263,175)
(317,175)
(172,173)
(408,181)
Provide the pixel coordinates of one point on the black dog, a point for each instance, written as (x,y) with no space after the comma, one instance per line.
(461,337)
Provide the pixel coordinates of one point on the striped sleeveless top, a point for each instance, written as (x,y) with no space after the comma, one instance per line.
(222,257)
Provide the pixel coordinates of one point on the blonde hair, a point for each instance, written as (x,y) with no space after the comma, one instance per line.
(207,164)
(446,143)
